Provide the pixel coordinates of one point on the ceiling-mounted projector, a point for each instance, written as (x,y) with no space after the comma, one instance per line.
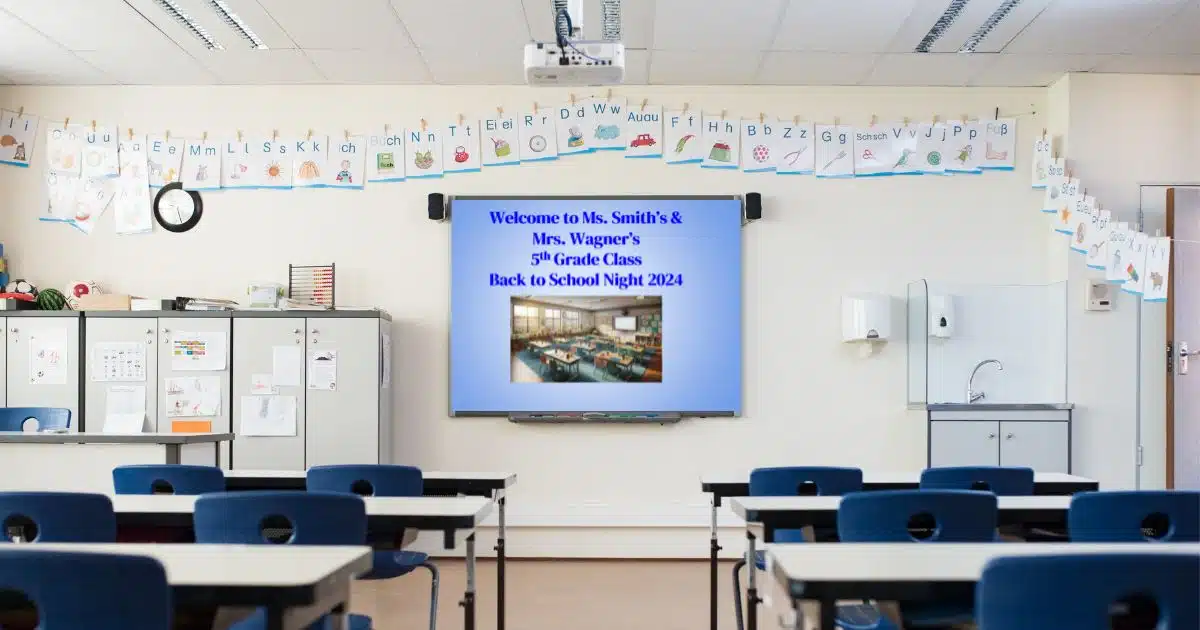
(570,61)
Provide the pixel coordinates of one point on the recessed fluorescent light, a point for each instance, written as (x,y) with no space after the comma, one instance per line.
(237,24)
(941,26)
(186,21)
(1000,13)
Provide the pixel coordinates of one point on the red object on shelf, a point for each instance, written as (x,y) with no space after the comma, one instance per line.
(25,297)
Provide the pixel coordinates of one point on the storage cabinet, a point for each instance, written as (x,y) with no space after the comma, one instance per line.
(1033,436)
(1041,446)
(41,358)
(964,443)
(255,340)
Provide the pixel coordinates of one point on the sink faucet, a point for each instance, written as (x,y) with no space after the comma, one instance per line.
(972,395)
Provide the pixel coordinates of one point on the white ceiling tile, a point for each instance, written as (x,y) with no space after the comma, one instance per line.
(1093,26)
(260,67)
(815,68)
(474,28)
(1149,64)
(715,24)
(846,26)
(357,25)
(676,67)
(447,68)
(28,58)
(1019,70)
(637,21)
(135,67)
(87,24)
(1180,34)
(370,66)
(934,69)
(249,11)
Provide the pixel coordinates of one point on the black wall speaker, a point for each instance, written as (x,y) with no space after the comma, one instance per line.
(753,206)
(437,206)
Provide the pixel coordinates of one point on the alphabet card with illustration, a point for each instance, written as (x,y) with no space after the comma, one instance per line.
(644,131)
(385,155)
(999,144)
(758,145)
(275,167)
(574,127)
(95,195)
(905,143)
(239,156)
(1158,269)
(721,141)
(964,146)
(682,142)
(1064,209)
(794,153)
(131,201)
(608,124)
(164,159)
(310,159)
(539,140)
(1085,213)
(1041,161)
(931,146)
(1135,265)
(834,151)
(18,131)
(1118,254)
(460,147)
(1056,176)
(347,162)
(500,141)
(1098,237)
(874,152)
(64,147)
(100,152)
(201,164)
(423,152)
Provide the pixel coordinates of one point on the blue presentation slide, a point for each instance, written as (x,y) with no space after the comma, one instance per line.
(587,304)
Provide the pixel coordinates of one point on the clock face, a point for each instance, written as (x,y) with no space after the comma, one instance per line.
(176,209)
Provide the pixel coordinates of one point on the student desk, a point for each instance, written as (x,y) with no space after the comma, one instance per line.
(775,513)
(83,462)
(297,585)
(721,486)
(493,485)
(387,517)
(909,571)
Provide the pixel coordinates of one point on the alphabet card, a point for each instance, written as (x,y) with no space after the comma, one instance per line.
(131,153)
(1098,238)
(931,145)
(794,147)
(644,130)
(423,152)
(999,144)
(275,167)
(1065,206)
(758,145)
(834,151)
(460,147)
(1135,265)
(721,143)
(1158,269)
(1041,161)
(385,156)
(64,147)
(131,202)
(238,157)
(874,153)
(310,160)
(573,125)
(682,143)
(1056,175)
(963,147)
(1085,212)
(17,134)
(1118,255)
(164,159)
(608,121)
(347,162)
(201,164)
(905,142)
(95,195)
(500,141)
(537,133)
(100,152)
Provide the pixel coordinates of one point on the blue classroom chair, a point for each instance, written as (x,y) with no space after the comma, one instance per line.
(168,479)
(62,517)
(282,517)
(1001,480)
(1150,590)
(923,516)
(1135,516)
(790,481)
(48,418)
(89,590)
(382,481)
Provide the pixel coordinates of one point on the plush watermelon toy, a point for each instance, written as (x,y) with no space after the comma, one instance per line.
(51,300)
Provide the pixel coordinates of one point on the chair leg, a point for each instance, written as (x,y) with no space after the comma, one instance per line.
(433,598)
(737,592)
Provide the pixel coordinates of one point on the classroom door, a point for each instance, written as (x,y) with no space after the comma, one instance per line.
(1183,333)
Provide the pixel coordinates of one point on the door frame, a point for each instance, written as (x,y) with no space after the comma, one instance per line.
(1174,350)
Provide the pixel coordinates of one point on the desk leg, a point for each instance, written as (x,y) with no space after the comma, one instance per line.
(752,584)
(828,614)
(713,548)
(468,602)
(275,618)
(500,559)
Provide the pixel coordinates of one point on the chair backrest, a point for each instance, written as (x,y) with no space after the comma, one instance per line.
(789,481)
(368,480)
(1135,516)
(97,591)
(1001,480)
(167,479)
(918,516)
(65,517)
(1152,591)
(48,418)
(260,517)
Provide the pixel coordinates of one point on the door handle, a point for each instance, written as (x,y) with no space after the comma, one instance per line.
(991,436)
(1184,355)
(1009,436)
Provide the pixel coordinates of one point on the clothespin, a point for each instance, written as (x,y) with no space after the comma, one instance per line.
(347,132)
(274,135)
(836,121)
(874,119)
(644,101)
(21,111)
(93,126)
(965,118)
(609,97)
(204,137)
(722,114)
(535,108)
(460,120)
(239,135)
(906,121)
(66,122)
(500,111)
(309,138)
(761,118)
(935,119)
(131,133)
(997,117)
(423,124)
(386,128)
(572,100)
(167,136)
(796,119)
(685,108)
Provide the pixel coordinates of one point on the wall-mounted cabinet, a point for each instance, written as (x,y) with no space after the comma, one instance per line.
(1032,436)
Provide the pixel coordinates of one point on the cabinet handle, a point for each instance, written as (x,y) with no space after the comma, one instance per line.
(315,331)
(1009,436)
(13,330)
(150,331)
(991,436)
(165,331)
(296,331)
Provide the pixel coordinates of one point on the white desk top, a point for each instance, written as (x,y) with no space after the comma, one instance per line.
(433,474)
(22,437)
(475,508)
(742,505)
(905,477)
(918,562)
(234,565)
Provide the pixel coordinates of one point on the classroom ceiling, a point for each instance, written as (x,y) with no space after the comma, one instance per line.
(670,42)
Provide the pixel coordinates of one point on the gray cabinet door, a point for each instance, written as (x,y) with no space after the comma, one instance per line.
(965,443)
(32,381)
(343,421)
(4,360)
(172,328)
(119,330)
(254,343)
(1042,446)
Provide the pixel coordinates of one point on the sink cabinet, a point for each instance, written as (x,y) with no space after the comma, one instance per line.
(1037,437)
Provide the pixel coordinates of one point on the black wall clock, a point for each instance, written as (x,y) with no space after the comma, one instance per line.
(176,209)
